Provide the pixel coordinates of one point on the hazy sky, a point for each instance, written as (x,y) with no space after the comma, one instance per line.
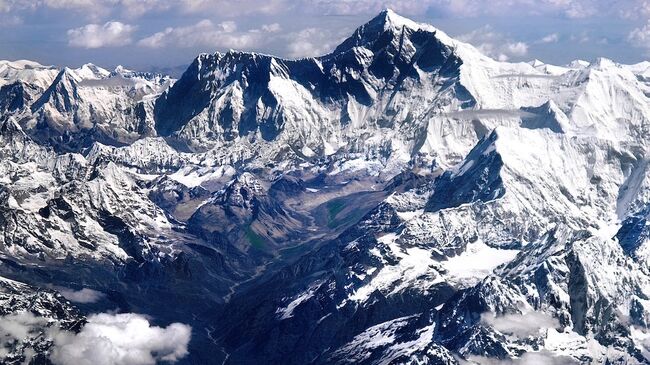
(165,33)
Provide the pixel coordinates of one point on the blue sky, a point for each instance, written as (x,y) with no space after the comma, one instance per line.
(164,33)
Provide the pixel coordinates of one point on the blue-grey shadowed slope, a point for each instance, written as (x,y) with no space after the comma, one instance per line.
(634,232)
(477,179)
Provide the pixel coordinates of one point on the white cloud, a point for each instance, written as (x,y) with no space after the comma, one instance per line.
(271,28)
(93,9)
(18,326)
(227,26)
(111,34)
(529,358)
(520,325)
(72,4)
(204,33)
(641,337)
(107,339)
(640,37)
(634,9)
(311,42)
(582,37)
(120,339)
(96,9)
(231,8)
(551,38)
(517,48)
(578,10)
(495,44)
(84,295)
(136,8)
(14,5)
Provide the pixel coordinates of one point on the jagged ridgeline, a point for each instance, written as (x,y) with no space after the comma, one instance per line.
(404,199)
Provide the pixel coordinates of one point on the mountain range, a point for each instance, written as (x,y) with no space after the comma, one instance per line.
(404,199)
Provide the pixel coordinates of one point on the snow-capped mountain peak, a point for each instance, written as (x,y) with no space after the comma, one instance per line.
(91,71)
(389,19)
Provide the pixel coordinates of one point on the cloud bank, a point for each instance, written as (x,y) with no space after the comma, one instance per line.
(121,339)
(107,339)
(520,325)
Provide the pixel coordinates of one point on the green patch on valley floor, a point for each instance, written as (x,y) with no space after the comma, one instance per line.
(333,209)
(255,239)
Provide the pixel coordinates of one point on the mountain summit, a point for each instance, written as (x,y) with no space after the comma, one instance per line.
(382,80)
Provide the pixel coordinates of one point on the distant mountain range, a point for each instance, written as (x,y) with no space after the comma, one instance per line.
(404,199)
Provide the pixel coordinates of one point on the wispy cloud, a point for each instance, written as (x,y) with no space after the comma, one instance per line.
(84,295)
(520,325)
(8,20)
(640,37)
(17,5)
(495,44)
(99,9)
(468,8)
(235,8)
(271,28)
(94,9)
(208,34)
(582,37)
(311,42)
(551,38)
